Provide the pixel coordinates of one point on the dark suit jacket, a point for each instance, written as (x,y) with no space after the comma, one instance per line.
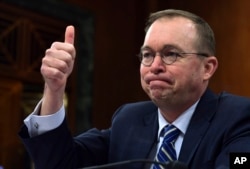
(220,125)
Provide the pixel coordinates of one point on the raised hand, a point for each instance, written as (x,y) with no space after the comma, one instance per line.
(58,62)
(57,65)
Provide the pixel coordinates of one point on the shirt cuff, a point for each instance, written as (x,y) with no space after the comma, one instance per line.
(38,125)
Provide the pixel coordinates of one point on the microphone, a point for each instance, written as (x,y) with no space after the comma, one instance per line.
(168,165)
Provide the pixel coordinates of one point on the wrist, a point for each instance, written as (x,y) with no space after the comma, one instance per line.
(52,101)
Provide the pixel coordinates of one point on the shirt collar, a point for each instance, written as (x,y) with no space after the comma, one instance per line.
(181,122)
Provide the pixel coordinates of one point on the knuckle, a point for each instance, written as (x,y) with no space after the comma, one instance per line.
(54,44)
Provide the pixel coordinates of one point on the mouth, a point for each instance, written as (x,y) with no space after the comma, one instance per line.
(158,80)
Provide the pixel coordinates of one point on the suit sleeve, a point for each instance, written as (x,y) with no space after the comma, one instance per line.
(57,149)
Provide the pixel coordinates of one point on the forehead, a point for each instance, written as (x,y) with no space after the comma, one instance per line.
(177,31)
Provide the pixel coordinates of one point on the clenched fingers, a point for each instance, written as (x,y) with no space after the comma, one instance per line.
(58,61)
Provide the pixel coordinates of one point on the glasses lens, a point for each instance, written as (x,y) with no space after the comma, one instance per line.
(147,58)
(169,57)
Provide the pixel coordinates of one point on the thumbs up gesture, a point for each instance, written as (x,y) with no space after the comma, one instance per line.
(58,61)
(57,65)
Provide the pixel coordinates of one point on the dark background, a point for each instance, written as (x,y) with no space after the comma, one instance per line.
(108,36)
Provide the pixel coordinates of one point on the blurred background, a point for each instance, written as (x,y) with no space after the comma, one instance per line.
(108,36)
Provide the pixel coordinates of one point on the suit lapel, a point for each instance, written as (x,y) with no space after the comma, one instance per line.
(146,135)
(198,126)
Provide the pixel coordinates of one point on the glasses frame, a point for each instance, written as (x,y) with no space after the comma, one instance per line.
(178,54)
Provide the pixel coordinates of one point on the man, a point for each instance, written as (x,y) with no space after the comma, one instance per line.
(177,61)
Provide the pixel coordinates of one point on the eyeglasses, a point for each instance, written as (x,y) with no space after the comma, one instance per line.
(168,57)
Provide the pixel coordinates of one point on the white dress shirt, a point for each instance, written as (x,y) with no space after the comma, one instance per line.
(40,124)
(181,123)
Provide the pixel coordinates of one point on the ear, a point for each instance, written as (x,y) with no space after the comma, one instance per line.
(210,66)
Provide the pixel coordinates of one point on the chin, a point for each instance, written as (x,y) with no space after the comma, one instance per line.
(157,97)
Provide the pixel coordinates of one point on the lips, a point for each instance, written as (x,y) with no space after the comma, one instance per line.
(157,79)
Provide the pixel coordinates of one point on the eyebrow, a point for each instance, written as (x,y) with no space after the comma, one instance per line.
(145,48)
(167,46)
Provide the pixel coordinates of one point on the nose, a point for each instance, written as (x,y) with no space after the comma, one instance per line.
(158,66)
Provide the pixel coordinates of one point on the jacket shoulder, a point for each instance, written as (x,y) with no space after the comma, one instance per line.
(231,99)
(135,110)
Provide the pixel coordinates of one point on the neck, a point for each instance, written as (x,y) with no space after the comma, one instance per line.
(170,115)
(171,110)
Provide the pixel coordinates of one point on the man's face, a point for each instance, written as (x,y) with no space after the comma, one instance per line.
(181,81)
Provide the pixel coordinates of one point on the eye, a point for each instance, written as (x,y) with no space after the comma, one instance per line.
(171,54)
(147,54)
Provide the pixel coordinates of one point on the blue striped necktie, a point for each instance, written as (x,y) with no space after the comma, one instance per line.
(167,151)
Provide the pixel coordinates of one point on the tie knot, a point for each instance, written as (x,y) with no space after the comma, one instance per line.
(170,133)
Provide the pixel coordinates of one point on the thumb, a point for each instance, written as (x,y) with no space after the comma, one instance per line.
(69,35)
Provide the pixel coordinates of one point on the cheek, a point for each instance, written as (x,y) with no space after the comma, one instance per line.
(142,72)
(189,74)
(196,75)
